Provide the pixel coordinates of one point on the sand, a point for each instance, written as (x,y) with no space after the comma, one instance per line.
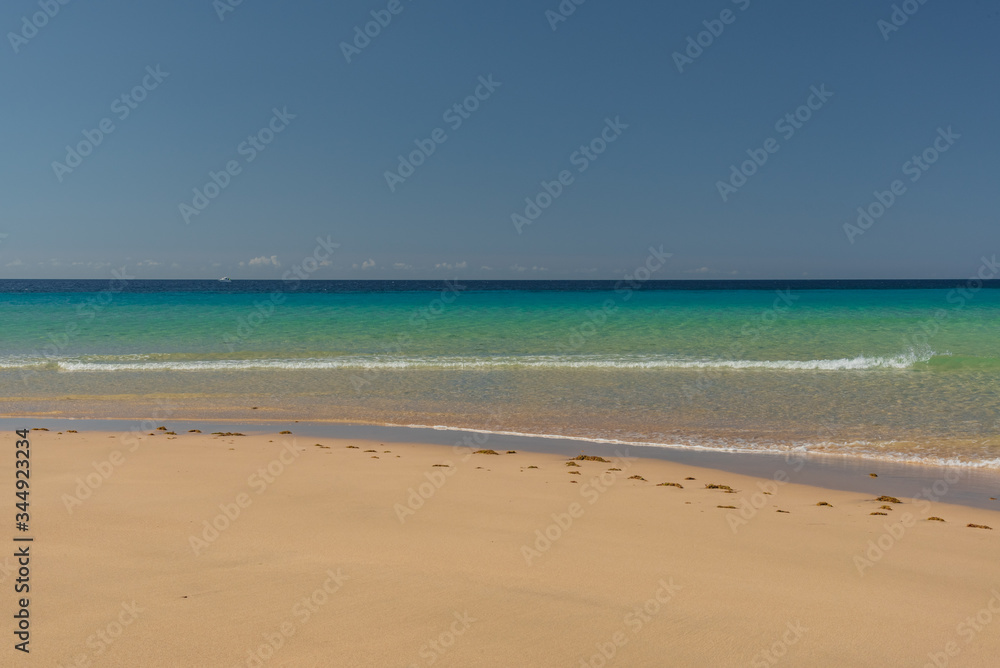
(336,556)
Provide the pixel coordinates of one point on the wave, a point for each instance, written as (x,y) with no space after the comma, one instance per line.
(145,363)
(856,449)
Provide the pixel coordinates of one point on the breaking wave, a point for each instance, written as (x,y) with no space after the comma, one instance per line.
(159,363)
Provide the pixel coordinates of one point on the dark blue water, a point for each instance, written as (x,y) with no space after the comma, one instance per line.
(315,286)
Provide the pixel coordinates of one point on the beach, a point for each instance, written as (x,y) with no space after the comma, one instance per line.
(276,549)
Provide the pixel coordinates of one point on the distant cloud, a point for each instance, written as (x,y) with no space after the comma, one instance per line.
(402,265)
(539,269)
(485,268)
(264,261)
(368,264)
(16,263)
(445,265)
(89,265)
(149,263)
(517,267)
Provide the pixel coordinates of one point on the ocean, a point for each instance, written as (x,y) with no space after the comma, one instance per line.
(893,370)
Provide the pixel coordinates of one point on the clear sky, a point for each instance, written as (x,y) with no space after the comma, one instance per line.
(553,86)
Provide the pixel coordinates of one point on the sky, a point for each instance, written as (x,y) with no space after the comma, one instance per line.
(202,139)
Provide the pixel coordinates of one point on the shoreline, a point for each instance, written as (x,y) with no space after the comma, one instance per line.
(975,487)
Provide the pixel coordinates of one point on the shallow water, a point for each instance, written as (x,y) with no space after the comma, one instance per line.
(903,374)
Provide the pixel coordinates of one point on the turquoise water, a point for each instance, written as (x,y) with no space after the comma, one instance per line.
(900,374)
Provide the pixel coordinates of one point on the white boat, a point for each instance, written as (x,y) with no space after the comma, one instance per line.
(225,279)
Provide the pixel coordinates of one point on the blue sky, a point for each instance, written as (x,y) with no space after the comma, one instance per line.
(551,92)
